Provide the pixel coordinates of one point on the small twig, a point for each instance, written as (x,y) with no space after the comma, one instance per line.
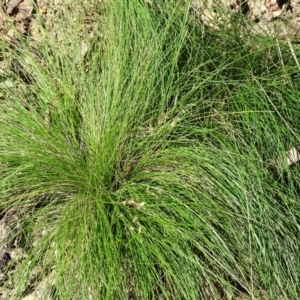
(292,49)
(281,59)
(279,51)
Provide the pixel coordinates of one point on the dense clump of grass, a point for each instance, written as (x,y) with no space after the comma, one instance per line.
(143,170)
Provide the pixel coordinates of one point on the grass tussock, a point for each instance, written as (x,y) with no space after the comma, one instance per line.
(143,170)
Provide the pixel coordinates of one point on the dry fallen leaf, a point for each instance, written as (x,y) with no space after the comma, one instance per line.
(23,9)
(12,5)
(293,156)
